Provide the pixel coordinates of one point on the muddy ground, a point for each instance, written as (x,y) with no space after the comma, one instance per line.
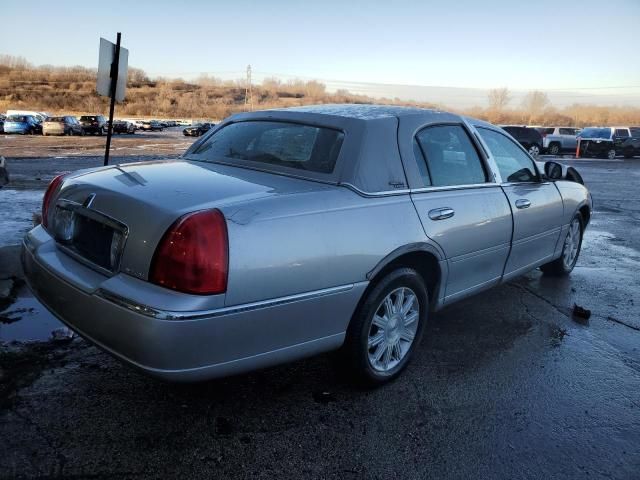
(505,385)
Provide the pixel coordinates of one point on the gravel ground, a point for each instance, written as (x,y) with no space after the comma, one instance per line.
(505,385)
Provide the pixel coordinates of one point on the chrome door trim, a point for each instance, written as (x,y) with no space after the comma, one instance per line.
(159,314)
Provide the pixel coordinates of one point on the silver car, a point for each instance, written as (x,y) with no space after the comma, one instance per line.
(284,233)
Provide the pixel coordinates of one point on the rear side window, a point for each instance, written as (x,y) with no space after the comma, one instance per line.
(283,144)
(451,159)
(622,132)
(635,132)
(568,131)
(513,163)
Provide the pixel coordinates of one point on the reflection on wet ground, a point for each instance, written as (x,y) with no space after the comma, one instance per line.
(27,320)
(16,213)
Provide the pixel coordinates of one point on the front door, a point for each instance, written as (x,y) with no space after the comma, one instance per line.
(536,205)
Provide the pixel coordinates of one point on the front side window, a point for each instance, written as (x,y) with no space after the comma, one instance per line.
(513,163)
(451,159)
(281,144)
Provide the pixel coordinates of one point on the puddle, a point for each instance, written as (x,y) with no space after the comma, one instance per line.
(16,212)
(29,320)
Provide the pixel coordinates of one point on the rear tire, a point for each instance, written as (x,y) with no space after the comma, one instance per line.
(570,250)
(534,150)
(387,327)
(554,149)
(611,154)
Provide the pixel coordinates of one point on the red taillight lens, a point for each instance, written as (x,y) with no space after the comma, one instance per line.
(192,256)
(46,201)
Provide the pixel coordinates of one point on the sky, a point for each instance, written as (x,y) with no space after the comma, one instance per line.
(579,50)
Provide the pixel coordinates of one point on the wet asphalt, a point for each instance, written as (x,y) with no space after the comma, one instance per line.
(506,384)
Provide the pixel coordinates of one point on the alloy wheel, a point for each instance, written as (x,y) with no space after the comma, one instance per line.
(393,329)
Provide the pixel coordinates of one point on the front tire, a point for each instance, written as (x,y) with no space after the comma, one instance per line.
(570,250)
(387,327)
(611,154)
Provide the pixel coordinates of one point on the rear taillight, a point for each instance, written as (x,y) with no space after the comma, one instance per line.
(192,256)
(53,187)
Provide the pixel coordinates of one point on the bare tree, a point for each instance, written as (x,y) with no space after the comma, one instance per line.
(534,104)
(499,98)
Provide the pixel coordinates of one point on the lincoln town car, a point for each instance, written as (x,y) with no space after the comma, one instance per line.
(281,234)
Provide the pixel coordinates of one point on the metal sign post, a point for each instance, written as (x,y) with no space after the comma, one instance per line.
(114,82)
(112,79)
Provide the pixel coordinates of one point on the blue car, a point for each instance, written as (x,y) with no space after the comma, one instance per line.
(23,124)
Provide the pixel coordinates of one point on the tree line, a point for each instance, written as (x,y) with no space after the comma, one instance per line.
(72,90)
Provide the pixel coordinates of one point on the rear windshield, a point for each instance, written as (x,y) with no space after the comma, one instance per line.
(16,118)
(595,133)
(92,119)
(261,143)
(55,119)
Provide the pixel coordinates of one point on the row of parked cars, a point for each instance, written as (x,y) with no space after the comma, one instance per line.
(38,123)
(603,142)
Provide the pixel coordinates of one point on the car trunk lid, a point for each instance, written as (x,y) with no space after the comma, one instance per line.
(115,216)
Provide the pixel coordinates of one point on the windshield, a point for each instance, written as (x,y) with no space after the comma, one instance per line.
(260,143)
(595,133)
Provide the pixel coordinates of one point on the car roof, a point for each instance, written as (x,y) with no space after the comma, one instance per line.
(361,111)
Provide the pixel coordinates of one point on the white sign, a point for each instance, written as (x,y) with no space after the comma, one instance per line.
(106,58)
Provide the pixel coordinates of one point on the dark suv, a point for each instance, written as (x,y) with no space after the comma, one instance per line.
(96,124)
(529,138)
(607,142)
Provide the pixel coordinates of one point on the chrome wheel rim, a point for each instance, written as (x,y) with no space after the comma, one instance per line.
(611,154)
(393,329)
(554,150)
(571,244)
(534,151)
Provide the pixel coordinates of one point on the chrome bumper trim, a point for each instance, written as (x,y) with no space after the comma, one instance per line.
(200,314)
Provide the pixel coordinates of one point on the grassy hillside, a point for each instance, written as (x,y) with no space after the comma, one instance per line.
(72,90)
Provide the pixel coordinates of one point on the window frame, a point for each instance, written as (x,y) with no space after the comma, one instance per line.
(478,147)
(540,179)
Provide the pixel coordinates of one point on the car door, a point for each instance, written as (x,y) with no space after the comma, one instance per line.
(460,206)
(536,205)
(568,138)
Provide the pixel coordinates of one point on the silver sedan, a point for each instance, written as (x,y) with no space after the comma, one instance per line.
(284,233)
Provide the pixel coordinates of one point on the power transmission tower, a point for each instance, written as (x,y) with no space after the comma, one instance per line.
(248,94)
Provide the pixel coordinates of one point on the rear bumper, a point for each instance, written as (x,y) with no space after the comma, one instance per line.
(194,345)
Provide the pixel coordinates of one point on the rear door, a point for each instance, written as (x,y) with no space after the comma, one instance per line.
(568,138)
(536,205)
(460,206)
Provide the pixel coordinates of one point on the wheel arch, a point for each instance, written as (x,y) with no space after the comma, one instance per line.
(423,258)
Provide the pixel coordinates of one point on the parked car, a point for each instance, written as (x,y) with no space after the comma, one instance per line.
(151,126)
(197,130)
(558,140)
(123,126)
(529,138)
(2,118)
(286,233)
(64,125)
(607,142)
(94,124)
(627,141)
(22,124)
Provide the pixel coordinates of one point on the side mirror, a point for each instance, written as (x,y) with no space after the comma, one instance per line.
(553,170)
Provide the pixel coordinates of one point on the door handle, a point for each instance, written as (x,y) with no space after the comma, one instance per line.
(441,213)
(523,203)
